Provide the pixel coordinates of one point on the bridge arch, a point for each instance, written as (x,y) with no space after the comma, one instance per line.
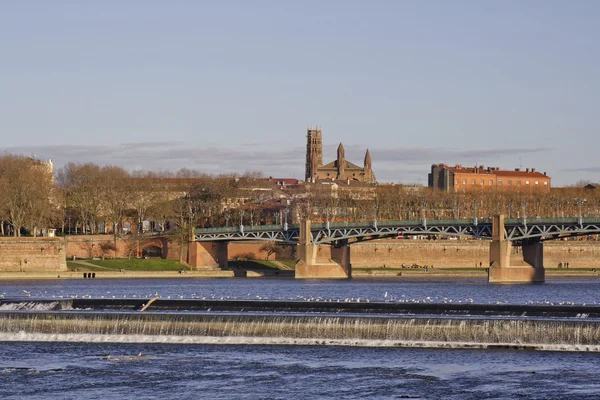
(155,247)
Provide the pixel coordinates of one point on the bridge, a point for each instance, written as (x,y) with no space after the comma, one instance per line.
(312,238)
(331,233)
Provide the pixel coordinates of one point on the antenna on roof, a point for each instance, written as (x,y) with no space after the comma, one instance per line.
(520,163)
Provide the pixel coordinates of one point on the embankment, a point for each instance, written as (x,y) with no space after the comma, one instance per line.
(465,253)
(24,255)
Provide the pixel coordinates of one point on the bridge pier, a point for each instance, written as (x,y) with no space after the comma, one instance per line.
(321,262)
(530,270)
(208,255)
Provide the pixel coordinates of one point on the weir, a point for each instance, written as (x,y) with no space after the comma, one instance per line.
(322,325)
(357,330)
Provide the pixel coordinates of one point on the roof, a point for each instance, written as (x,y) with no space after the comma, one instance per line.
(524,174)
(333,165)
(285,181)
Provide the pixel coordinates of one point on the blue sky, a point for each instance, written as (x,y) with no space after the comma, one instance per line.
(230,86)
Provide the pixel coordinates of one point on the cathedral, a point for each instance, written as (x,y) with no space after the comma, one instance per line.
(339,169)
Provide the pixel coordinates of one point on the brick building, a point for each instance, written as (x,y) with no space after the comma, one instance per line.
(339,169)
(466,179)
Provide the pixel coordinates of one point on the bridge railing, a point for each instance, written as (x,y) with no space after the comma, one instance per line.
(407,223)
(247,228)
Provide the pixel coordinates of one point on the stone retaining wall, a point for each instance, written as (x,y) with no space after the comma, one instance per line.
(32,254)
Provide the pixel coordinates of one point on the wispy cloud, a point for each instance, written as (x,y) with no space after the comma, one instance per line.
(583,169)
(274,159)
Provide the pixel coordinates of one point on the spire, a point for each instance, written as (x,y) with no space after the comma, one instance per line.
(340,152)
(341,162)
(368,159)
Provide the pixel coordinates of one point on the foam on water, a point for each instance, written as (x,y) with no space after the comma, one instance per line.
(34,306)
(568,335)
(244,340)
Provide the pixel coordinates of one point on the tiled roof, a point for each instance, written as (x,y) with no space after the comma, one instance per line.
(524,174)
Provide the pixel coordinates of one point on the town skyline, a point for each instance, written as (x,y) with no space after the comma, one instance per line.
(225,87)
(140,156)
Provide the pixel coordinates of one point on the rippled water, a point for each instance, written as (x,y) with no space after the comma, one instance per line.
(41,370)
(578,291)
(78,371)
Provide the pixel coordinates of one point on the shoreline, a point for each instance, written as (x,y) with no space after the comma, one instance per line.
(374,273)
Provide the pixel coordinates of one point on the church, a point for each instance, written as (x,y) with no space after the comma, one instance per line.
(340,169)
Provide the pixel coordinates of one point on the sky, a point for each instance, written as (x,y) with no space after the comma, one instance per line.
(231,86)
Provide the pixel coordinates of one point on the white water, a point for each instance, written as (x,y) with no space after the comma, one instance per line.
(34,305)
(244,340)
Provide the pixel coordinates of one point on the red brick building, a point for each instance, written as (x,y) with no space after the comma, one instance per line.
(466,179)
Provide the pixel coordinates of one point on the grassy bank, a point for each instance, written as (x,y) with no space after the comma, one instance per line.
(136,264)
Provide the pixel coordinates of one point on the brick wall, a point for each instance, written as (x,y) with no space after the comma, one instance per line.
(449,253)
(97,246)
(32,254)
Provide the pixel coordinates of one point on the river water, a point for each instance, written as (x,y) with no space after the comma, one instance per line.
(73,370)
(477,291)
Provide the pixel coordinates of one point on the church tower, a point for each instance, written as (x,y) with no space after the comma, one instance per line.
(314,153)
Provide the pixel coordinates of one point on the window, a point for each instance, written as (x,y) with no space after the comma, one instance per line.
(537,183)
(472,181)
(527,182)
(491,182)
(482,182)
(518,183)
(509,182)
(499,182)
(456,181)
(464,181)
(545,183)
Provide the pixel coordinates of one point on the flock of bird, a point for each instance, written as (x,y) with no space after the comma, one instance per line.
(386,298)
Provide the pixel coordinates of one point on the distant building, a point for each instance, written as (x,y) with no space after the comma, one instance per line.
(340,169)
(467,179)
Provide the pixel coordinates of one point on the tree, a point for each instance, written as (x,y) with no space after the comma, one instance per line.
(26,185)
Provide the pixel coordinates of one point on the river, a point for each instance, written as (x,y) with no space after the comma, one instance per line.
(69,369)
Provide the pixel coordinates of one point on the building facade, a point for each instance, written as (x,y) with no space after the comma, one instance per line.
(466,179)
(339,169)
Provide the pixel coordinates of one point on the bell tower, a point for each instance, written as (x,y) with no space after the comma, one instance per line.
(314,152)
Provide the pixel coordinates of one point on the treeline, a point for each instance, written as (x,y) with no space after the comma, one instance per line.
(397,202)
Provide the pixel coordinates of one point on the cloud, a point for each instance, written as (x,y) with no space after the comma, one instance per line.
(583,169)
(407,165)
(436,155)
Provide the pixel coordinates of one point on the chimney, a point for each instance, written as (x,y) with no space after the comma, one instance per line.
(527,170)
(517,169)
(544,173)
(532,169)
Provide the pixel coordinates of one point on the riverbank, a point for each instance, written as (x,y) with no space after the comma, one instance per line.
(356,273)
(107,274)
